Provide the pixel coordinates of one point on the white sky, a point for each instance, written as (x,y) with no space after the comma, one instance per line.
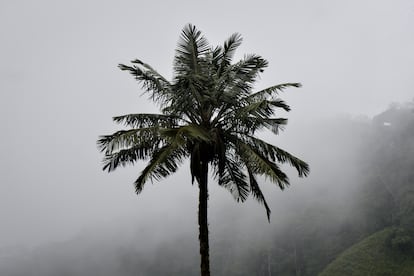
(59,88)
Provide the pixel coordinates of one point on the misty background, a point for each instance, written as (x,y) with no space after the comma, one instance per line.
(60,87)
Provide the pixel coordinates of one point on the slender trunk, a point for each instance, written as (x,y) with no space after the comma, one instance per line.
(202,222)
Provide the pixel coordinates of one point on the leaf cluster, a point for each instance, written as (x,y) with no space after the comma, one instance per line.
(210,115)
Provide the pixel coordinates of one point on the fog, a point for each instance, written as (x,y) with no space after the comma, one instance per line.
(60,87)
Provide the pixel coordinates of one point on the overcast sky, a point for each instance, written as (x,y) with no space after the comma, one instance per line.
(60,86)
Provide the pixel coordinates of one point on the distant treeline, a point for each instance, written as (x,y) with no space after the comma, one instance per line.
(368,171)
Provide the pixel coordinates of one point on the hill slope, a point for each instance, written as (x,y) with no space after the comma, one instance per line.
(372,256)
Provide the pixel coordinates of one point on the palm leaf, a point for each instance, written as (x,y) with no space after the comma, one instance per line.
(273,124)
(271,91)
(147,120)
(163,162)
(152,82)
(191,46)
(129,156)
(234,180)
(259,164)
(252,124)
(257,193)
(187,97)
(237,80)
(191,132)
(124,139)
(275,153)
(223,56)
(263,108)
(301,166)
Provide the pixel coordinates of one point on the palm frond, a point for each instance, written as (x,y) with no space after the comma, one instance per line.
(164,161)
(236,81)
(124,139)
(262,108)
(152,82)
(129,156)
(190,132)
(230,46)
(251,124)
(252,117)
(216,57)
(271,91)
(224,57)
(257,193)
(301,166)
(277,154)
(234,179)
(143,120)
(191,46)
(186,99)
(249,68)
(187,114)
(128,146)
(220,150)
(273,124)
(257,163)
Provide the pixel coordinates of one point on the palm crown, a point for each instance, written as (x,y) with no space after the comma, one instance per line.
(208,114)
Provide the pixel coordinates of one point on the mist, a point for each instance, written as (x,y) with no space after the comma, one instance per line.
(60,86)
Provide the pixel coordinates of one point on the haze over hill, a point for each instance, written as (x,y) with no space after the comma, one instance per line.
(60,87)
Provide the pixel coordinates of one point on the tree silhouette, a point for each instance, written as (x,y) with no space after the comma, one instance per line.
(210,115)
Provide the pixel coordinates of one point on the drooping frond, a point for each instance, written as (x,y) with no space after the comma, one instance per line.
(274,153)
(234,179)
(270,91)
(164,162)
(257,193)
(301,166)
(257,163)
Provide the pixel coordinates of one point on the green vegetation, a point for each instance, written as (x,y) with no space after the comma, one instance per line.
(385,200)
(374,256)
(210,115)
(356,218)
(372,197)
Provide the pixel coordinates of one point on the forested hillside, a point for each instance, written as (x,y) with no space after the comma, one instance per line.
(357,215)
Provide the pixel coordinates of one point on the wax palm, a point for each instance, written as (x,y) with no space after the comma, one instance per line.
(210,115)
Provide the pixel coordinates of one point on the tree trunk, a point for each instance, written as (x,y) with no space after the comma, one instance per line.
(202,221)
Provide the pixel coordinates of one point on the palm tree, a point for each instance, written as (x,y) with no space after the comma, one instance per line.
(210,115)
